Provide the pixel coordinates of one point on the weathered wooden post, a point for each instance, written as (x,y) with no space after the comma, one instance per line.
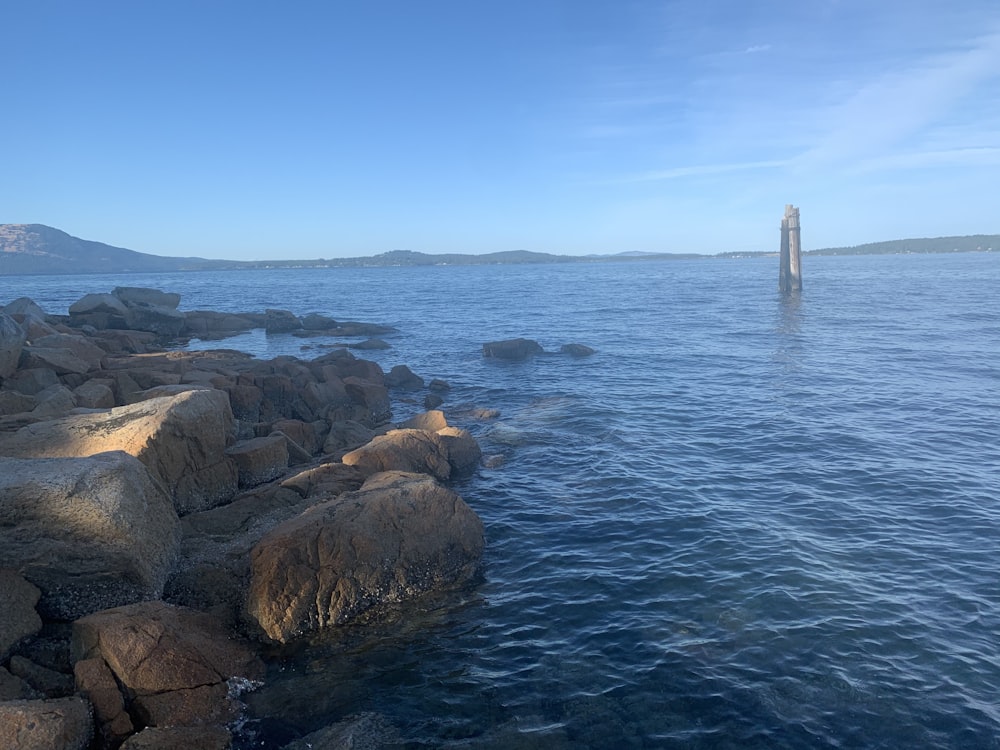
(790,272)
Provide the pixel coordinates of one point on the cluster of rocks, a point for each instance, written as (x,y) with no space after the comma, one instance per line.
(163,513)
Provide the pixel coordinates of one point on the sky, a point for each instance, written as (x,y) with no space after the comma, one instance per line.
(298,129)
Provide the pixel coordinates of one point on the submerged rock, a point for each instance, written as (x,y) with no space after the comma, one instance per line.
(513,349)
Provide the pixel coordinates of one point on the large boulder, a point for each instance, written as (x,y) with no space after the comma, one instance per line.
(181,439)
(81,347)
(397,537)
(173,663)
(418,451)
(90,532)
(90,304)
(60,361)
(63,724)
(12,339)
(280,321)
(25,307)
(158,319)
(143,296)
(513,349)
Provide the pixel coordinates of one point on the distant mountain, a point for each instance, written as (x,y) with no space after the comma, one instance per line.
(36,248)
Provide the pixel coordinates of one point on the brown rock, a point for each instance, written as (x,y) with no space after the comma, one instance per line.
(180,738)
(259,460)
(328,480)
(63,724)
(175,661)
(154,647)
(96,683)
(397,537)
(181,439)
(432,420)
(408,450)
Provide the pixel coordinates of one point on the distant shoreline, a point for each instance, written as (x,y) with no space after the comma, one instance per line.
(36,249)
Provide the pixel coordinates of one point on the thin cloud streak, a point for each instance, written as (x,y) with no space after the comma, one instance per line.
(700,170)
(885,112)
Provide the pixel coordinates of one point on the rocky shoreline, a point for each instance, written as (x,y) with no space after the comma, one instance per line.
(165,515)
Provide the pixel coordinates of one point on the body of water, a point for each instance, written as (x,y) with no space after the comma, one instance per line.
(748,521)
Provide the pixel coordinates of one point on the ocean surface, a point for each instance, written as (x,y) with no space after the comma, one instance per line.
(748,521)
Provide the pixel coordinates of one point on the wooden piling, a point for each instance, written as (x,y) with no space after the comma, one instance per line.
(790,271)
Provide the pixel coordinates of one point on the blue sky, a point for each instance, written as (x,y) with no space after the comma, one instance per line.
(261,130)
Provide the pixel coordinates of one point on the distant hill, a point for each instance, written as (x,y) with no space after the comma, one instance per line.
(965,244)
(38,249)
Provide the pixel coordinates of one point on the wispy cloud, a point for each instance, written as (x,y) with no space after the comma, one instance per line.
(757,48)
(700,170)
(885,113)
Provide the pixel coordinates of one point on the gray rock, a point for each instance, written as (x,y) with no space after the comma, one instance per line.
(12,402)
(134,295)
(18,618)
(60,361)
(403,377)
(512,349)
(25,306)
(280,321)
(30,381)
(576,350)
(90,532)
(12,338)
(158,319)
(54,401)
(98,303)
(317,322)
(81,346)
(94,395)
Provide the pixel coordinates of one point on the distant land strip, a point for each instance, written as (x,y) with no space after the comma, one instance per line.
(40,249)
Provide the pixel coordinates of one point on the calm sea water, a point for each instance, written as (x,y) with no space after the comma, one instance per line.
(748,521)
